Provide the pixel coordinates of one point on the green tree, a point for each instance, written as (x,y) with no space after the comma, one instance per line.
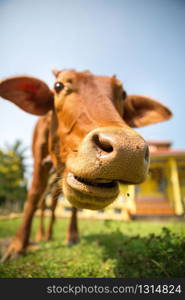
(13,184)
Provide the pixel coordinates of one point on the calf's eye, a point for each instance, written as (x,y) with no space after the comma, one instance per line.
(58,86)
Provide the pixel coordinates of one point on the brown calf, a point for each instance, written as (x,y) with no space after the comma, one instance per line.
(87,130)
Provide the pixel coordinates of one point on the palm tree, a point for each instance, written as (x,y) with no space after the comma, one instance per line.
(13,184)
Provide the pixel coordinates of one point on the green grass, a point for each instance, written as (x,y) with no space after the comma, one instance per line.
(106,249)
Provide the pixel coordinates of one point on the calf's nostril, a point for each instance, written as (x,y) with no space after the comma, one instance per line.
(147,154)
(103,142)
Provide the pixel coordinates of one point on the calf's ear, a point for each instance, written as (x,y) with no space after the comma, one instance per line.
(29,93)
(141,111)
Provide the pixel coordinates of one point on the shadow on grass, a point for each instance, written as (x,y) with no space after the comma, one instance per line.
(151,256)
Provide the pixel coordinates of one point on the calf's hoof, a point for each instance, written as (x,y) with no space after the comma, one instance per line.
(48,237)
(72,242)
(40,236)
(14,250)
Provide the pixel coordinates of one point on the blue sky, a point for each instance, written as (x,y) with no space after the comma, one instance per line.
(142,41)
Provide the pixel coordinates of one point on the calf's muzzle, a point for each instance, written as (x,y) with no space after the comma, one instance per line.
(111,153)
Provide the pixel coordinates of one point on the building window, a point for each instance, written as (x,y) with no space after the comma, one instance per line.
(117,211)
(67,208)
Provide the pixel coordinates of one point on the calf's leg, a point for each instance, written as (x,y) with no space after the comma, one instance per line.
(21,240)
(72,233)
(54,194)
(40,233)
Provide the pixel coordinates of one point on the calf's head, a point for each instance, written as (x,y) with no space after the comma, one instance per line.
(91,131)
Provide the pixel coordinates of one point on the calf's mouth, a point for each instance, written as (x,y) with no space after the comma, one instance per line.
(100,182)
(90,193)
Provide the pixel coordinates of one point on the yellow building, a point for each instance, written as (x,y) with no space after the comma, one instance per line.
(162,194)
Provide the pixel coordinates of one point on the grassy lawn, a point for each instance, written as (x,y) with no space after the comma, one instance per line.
(106,249)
